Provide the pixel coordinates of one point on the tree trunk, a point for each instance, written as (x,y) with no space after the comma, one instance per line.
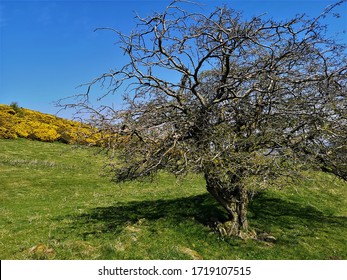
(235,202)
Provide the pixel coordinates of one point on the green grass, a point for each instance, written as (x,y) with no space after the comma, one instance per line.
(55,204)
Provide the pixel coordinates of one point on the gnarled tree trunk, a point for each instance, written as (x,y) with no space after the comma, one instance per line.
(235,202)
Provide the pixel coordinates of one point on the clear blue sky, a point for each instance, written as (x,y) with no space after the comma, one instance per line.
(48,48)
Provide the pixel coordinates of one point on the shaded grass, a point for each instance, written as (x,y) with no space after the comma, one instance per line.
(55,205)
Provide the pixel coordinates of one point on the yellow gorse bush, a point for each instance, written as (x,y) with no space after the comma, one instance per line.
(25,123)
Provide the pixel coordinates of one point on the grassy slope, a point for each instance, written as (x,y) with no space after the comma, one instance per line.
(55,205)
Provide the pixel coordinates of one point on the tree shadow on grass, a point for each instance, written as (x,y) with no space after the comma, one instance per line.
(264,212)
(273,212)
(113,219)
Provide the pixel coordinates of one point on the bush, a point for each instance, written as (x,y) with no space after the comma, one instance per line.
(20,122)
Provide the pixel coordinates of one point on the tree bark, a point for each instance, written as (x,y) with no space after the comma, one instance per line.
(235,201)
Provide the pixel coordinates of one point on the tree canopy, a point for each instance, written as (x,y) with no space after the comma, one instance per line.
(242,101)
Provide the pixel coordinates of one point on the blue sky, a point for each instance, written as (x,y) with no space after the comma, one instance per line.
(48,48)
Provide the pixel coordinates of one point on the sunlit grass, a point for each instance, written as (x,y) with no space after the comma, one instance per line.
(54,204)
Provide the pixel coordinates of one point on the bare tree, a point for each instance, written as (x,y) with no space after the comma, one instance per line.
(242,101)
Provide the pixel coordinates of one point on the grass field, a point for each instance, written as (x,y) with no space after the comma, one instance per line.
(55,203)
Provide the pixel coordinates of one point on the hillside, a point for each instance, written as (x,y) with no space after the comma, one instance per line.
(17,122)
(55,205)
